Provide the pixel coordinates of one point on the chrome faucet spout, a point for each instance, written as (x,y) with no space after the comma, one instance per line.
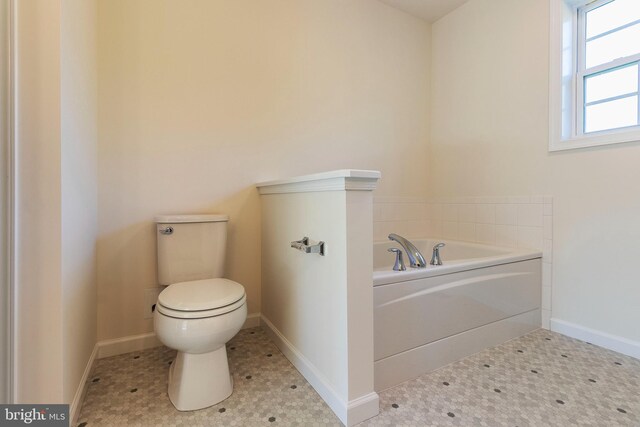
(416,260)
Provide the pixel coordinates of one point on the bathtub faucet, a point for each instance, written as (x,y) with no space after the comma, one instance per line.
(435,258)
(399,264)
(416,260)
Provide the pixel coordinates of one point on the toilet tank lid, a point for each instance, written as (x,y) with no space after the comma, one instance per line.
(174,219)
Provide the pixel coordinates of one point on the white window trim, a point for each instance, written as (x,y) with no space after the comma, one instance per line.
(563,105)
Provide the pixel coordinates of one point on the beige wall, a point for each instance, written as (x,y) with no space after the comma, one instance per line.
(489,138)
(55,197)
(38,204)
(79,179)
(199,100)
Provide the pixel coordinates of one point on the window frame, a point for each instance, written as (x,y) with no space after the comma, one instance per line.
(566,84)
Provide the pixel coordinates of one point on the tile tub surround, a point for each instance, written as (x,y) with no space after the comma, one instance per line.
(541,379)
(518,222)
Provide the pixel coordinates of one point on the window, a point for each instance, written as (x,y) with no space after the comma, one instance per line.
(595,73)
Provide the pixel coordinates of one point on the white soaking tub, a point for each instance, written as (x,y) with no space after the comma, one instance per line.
(426,318)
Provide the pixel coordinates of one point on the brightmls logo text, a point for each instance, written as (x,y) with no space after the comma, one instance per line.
(34,415)
(26,416)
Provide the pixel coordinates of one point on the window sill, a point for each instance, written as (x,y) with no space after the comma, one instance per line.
(595,140)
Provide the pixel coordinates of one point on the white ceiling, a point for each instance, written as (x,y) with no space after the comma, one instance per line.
(429,10)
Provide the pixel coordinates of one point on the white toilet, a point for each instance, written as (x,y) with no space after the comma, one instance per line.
(199,311)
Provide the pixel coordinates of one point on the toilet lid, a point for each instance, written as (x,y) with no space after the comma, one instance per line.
(199,295)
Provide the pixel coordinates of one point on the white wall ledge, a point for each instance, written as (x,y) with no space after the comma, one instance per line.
(338,180)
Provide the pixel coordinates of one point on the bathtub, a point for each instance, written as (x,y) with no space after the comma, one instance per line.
(426,318)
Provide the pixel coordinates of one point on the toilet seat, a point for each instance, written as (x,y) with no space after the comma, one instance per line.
(201,298)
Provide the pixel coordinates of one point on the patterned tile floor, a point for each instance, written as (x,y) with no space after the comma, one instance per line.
(541,379)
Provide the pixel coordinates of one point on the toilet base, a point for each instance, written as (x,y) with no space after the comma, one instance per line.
(197,381)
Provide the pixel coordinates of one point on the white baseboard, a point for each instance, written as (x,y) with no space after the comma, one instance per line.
(603,339)
(349,412)
(117,346)
(76,404)
(363,408)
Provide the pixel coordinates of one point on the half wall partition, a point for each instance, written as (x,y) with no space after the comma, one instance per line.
(318,308)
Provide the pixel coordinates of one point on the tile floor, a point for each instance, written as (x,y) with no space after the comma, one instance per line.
(541,379)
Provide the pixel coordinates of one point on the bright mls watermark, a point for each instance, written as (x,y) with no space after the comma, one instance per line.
(34,415)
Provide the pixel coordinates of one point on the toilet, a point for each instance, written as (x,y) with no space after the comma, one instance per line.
(199,311)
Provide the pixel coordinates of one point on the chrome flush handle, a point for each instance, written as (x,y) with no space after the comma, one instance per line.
(166,231)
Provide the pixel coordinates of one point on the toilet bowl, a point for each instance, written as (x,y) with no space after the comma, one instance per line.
(198,318)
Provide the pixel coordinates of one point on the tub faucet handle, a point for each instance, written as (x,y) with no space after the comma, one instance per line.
(399,265)
(435,258)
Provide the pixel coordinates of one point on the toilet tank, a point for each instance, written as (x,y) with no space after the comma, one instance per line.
(190,247)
